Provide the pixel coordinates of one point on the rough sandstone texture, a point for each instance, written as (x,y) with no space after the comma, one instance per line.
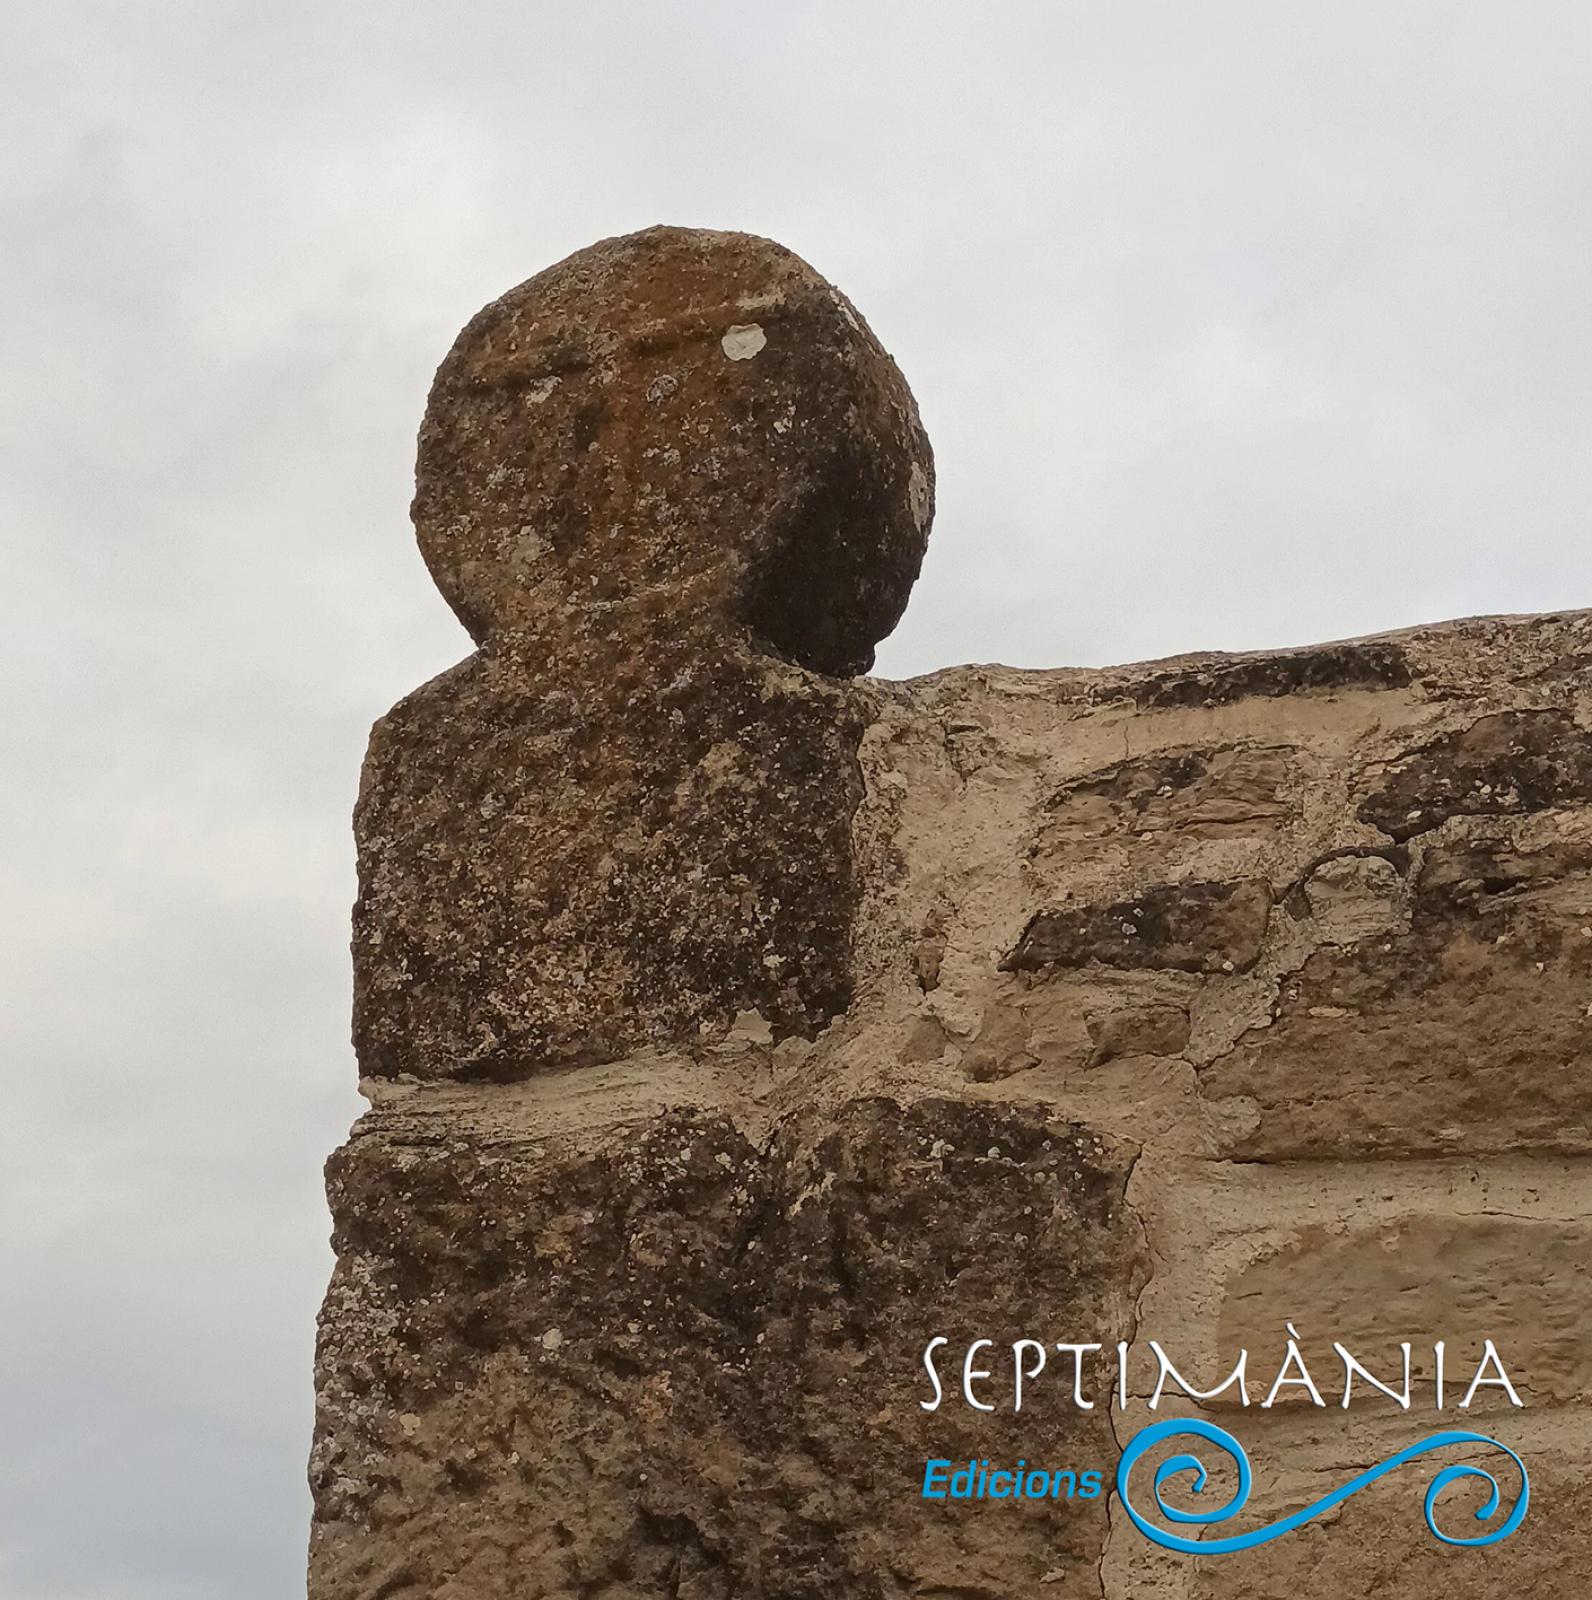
(666,484)
(732,1024)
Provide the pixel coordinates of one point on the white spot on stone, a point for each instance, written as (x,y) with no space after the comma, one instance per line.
(537,392)
(918,496)
(743,341)
(552,1339)
(845,310)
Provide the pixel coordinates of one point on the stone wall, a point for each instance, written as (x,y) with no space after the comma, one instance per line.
(733,1024)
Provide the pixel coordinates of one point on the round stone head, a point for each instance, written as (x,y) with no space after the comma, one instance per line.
(670,432)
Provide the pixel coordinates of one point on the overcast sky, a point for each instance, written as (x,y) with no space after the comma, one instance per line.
(1233,325)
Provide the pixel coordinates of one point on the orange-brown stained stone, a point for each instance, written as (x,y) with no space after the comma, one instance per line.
(676,430)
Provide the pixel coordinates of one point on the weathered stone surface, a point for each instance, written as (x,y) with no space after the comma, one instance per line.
(1509,762)
(1369,1253)
(659,482)
(1148,1030)
(1198,793)
(1466,1029)
(1189,927)
(666,1358)
(1219,680)
(732,1026)
(677,432)
(1377,1543)
(1520,1281)
(551,877)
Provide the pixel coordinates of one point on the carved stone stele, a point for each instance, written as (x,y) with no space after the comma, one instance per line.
(734,1024)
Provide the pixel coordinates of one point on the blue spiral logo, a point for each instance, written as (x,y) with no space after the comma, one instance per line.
(1193,1427)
